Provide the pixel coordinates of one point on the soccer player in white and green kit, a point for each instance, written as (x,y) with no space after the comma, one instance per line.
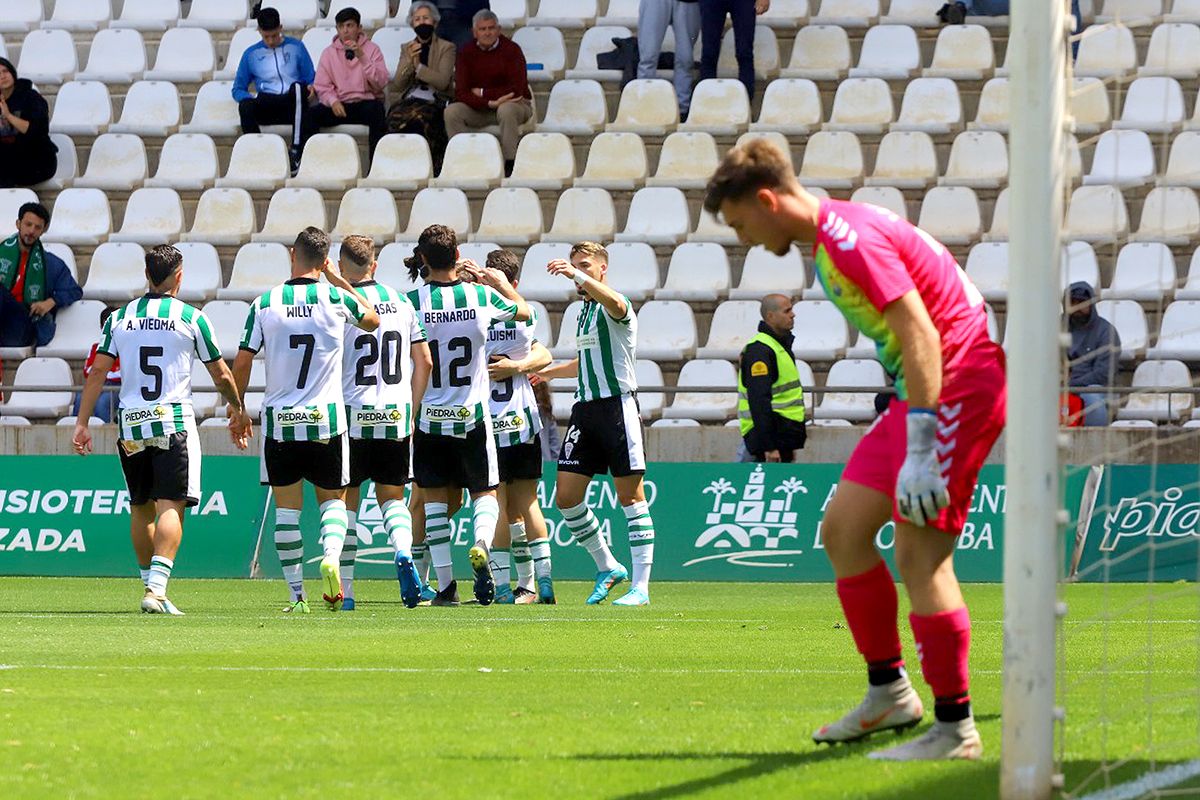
(605,431)
(301,324)
(158,337)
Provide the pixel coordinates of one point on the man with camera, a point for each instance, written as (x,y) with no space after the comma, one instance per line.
(351,78)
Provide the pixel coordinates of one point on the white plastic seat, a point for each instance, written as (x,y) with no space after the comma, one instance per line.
(1145,272)
(473,161)
(819,53)
(1170,214)
(720,106)
(402,163)
(583,214)
(861,105)
(67,169)
(76,329)
(615,161)
(766,55)
(1097,214)
(117,161)
(566,347)
(575,107)
(39,404)
(79,15)
(785,14)
(1078,263)
(833,160)
(847,13)
(647,373)
(951,215)
(765,273)
(512,13)
(963,53)
(686,161)
(543,46)
(1183,164)
(330,162)
(657,215)
(820,330)
(647,107)
(733,323)
(633,270)
(543,332)
(666,331)
(151,108)
(1153,104)
(48,57)
(243,39)
(711,229)
(978,159)
(224,216)
(1191,286)
(227,317)
(374,12)
(117,272)
(890,52)
(391,41)
(1129,10)
(993,111)
(776,138)
(438,206)
(597,40)
(565,13)
(790,106)
(315,40)
(291,210)
(20,16)
(187,162)
(906,160)
(148,15)
(619,12)
(81,216)
(853,406)
(1106,52)
(999,230)
(888,197)
(185,55)
(1179,332)
(1159,406)
(259,161)
(1122,158)
(1088,106)
(117,56)
(202,272)
(81,108)
(152,217)
(257,267)
(698,273)
(476,250)
(215,112)
(1174,52)
(987,267)
(1183,11)
(705,406)
(544,161)
(392,271)
(537,284)
(215,15)
(367,212)
(930,105)
(511,216)
(11,201)
(1129,319)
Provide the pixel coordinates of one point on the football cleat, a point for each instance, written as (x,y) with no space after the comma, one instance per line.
(170,608)
(446,597)
(410,581)
(332,584)
(157,604)
(606,579)
(524,597)
(485,584)
(504,595)
(296,607)
(347,604)
(634,597)
(945,741)
(545,592)
(895,706)
(427,593)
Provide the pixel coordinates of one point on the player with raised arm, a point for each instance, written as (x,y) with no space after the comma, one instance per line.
(453,446)
(513,353)
(605,430)
(917,465)
(157,336)
(384,373)
(300,324)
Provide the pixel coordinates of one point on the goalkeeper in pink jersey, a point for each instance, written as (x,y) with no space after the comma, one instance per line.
(917,464)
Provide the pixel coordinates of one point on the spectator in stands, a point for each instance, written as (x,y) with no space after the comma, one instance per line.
(956,11)
(455,20)
(422,83)
(27,156)
(36,284)
(1095,346)
(283,75)
(770,398)
(712,26)
(351,77)
(490,87)
(106,403)
(684,18)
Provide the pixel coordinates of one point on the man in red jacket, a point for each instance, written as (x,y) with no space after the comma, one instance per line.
(490,86)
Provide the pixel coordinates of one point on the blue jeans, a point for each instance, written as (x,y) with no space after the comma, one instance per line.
(684,18)
(712,25)
(1095,409)
(986,8)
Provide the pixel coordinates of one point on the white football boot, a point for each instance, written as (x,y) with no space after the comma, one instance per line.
(894,706)
(945,741)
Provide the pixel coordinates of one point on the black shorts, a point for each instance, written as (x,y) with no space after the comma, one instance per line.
(325,464)
(157,474)
(383,461)
(521,462)
(604,436)
(469,461)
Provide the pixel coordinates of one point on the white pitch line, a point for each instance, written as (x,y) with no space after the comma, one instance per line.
(322,618)
(1150,782)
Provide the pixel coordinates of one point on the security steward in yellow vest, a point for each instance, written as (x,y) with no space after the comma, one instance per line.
(770,399)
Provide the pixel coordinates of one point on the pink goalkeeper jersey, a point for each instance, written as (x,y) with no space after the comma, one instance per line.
(867,257)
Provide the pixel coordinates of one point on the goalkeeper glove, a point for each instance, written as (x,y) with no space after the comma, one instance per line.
(920,488)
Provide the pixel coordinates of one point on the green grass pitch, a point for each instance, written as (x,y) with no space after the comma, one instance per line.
(713,691)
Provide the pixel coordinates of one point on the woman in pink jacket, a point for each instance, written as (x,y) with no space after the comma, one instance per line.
(351,78)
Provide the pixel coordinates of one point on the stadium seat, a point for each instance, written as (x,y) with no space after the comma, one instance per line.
(583,214)
(77,328)
(566,347)
(257,267)
(993,111)
(537,284)
(853,406)
(720,106)
(647,107)
(41,404)
(774,137)
(228,318)
(622,13)
(315,40)
(13,421)
(1183,11)
(632,269)
(1129,10)
(647,373)
(963,53)
(543,332)
(951,215)
(785,14)
(391,268)
(698,273)
(510,217)
(861,105)
(438,206)
(1074,160)
(367,212)
(1129,319)
(766,55)
(575,108)
(890,52)
(1174,52)
(705,406)
(1170,214)
(185,55)
(187,162)
(152,217)
(657,215)
(473,161)
(402,163)
(543,46)
(20,16)
(259,161)
(820,331)
(243,39)
(148,15)
(81,216)
(374,12)
(205,398)
(1154,105)
(477,250)
(847,13)
(686,161)
(596,40)
(930,105)
(888,197)
(48,57)
(224,216)
(1097,214)
(151,109)
(11,201)
(1178,333)
(330,162)
(202,272)
(215,113)
(1159,406)
(791,107)
(1145,272)
(70,422)
(862,348)
(66,254)
(1183,164)
(615,161)
(978,159)
(1122,158)
(1078,263)
(512,13)
(117,272)
(544,161)
(819,53)
(290,211)
(1088,106)
(79,15)
(905,160)
(68,165)
(216,15)
(1191,285)
(710,229)
(733,323)
(117,162)
(987,267)
(765,273)
(832,160)
(81,108)
(666,331)
(566,14)
(391,41)
(1106,52)
(117,56)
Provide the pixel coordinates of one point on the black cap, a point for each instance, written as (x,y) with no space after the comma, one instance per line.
(268,19)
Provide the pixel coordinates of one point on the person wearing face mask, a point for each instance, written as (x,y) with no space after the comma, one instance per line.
(421,88)
(27,156)
(1092,357)
(351,77)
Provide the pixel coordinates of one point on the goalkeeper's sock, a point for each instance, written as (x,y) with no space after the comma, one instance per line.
(420,555)
(500,563)
(485,512)
(944,642)
(521,557)
(349,553)
(145,573)
(539,551)
(333,528)
(869,603)
(397,521)
(586,529)
(290,548)
(437,532)
(641,543)
(160,573)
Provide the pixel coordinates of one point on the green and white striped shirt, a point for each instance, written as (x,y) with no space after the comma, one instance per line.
(515,417)
(156,337)
(607,352)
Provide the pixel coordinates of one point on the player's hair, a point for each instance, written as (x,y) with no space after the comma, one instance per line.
(348,14)
(37,209)
(757,164)
(591,250)
(161,263)
(311,247)
(438,245)
(358,250)
(506,261)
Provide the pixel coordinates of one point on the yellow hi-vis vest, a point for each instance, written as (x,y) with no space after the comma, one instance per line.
(787,398)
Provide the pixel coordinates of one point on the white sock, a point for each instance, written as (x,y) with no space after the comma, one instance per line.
(145,573)
(290,547)
(349,553)
(500,566)
(485,512)
(160,573)
(420,554)
(586,529)
(437,537)
(641,543)
(520,556)
(397,521)
(539,552)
